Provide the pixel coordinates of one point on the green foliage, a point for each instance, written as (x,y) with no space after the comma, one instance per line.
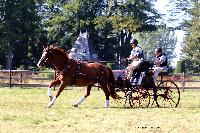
(21,67)
(111,65)
(48,73)
(20,26)
(27,25)
(101,19)
(163,38)
(1,67)
(132,15)
(180,67)
(46,69)
(191,49)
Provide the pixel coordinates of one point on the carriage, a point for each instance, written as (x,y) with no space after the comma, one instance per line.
(73,72)
(144,93)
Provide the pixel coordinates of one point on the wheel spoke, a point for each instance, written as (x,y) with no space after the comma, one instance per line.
(140,98)
(123,101)
(169,92)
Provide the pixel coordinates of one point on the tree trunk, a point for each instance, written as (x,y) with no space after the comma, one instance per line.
(9,59)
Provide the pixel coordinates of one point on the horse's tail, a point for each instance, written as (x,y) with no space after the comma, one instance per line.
(112,85)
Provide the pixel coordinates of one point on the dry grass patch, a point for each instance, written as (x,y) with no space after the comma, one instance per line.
(23,110)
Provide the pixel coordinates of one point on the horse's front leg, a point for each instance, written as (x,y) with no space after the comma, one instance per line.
(54,83)
(83,97)
(61,88)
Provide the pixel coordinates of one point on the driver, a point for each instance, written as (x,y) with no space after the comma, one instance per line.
(136,57)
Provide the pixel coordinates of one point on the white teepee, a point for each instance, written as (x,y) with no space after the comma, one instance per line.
(83,49)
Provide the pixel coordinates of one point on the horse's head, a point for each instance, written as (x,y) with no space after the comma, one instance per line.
(54,55)
(46,57)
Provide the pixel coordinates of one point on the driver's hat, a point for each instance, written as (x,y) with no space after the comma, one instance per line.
(133,41)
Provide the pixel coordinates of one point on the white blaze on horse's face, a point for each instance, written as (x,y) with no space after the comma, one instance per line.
(42,59)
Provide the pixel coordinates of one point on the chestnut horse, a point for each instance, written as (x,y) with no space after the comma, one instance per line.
(73,72)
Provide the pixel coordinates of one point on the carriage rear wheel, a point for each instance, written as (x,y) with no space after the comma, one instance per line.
(168,94)
(139,97)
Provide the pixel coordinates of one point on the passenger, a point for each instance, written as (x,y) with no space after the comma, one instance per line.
(160,63)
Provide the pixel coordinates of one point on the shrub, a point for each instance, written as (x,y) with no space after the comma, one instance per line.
(47,75)
(21,67)
(1,67)
(111,65)
(180,67)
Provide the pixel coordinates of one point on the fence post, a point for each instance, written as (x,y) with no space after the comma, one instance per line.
(21,77)
(183,81)
(10,78)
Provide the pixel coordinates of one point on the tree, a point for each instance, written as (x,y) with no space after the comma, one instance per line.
(70,18)
(101,19)
(191,48)
(128,17)
(163,38)
(20,26)
(176,13)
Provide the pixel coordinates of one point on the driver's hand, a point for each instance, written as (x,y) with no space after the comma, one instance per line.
(129,59)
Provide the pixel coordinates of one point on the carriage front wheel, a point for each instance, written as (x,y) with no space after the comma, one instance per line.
(168,94)
(123,100)
(139,97)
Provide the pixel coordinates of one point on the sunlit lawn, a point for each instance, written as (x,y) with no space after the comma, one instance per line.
(23,110)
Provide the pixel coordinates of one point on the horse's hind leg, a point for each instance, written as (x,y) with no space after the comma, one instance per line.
(107,94)
(83,97)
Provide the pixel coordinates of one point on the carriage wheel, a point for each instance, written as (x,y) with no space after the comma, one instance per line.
(123,101)
(168,94)
(139,98)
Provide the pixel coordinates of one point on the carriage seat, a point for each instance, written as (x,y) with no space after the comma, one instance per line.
(169,70)
(163,74)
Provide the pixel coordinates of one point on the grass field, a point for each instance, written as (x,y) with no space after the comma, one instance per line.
(23,111)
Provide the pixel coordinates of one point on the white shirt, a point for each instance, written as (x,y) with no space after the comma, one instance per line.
(136,52)
(161,59)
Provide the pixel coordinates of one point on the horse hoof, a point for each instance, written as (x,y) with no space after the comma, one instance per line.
(50,97)
(48,107)
(75,105)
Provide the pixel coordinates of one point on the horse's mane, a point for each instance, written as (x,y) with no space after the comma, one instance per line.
(57,49)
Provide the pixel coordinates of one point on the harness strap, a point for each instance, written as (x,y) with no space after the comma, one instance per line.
(77,73)
(65,68)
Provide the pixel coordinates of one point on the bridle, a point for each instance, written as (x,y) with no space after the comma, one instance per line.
(46,58)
